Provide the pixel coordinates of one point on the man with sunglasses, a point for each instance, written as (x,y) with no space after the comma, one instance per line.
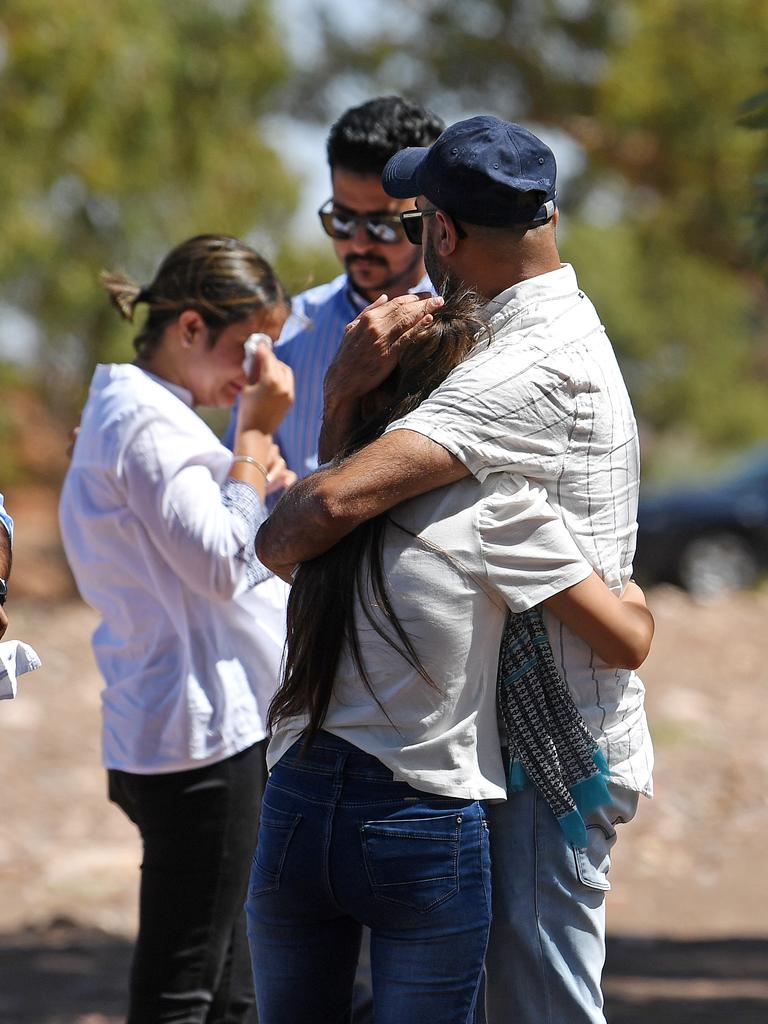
(544,399)
(370,242)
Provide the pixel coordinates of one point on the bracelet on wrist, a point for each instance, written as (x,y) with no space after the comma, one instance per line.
(252,462)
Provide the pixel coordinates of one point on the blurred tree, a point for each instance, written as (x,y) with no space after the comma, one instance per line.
(534,58)
(755,115)
(659,194)
(124,128)
(661,236)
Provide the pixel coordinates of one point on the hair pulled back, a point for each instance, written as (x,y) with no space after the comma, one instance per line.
(321,606)
(219,277)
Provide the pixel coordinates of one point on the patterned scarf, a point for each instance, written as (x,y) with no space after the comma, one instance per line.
(549,742)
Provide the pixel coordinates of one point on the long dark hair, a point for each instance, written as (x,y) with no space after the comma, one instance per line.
(321,605)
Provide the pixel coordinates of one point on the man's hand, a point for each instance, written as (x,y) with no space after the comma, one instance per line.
(368,354)
(369,350)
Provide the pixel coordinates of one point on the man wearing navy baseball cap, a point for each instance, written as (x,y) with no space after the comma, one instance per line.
(486,171)
(545,399)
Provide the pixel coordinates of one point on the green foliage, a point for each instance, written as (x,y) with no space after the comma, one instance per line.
(520,58)
(126,127)
(666,118)
(658,218)
(303,266)
(755,115)
(683,327)
(674,275)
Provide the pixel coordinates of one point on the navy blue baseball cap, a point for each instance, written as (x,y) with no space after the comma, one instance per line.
(483,171)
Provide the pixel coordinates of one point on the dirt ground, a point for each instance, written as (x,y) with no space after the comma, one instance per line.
(688,917)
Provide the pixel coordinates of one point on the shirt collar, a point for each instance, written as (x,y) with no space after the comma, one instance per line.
(552,285)
(175,389)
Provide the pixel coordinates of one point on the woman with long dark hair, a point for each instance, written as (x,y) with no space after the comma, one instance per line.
(158,521)
(384,731)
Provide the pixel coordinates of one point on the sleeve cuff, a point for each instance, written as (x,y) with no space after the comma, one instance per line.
(244,503)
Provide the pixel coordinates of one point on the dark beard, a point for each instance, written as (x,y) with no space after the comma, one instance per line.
(388,282)
(443,280)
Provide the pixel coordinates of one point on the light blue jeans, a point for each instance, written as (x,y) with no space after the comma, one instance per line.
(341,844)
(547,945)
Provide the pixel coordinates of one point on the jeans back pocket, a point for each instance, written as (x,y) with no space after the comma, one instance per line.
(413,862)
(276,830)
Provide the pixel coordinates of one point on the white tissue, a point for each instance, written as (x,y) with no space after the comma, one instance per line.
(252,342)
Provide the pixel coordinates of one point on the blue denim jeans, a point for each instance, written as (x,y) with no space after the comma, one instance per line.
(547,946)
(342,845)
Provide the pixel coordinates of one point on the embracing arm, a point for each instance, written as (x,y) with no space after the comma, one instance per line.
(618,629)
(321,509)
(5,551)
(5,561)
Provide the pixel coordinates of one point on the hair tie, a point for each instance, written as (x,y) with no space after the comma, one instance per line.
(145,294)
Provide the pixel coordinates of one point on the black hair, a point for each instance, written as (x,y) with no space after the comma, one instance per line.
(364,138)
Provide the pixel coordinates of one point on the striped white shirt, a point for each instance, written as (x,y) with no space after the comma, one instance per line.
(546,399)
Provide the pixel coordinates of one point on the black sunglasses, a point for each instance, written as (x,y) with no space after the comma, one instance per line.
(412,221)
(342,224)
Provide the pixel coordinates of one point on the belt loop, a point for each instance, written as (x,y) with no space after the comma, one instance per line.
(338,778)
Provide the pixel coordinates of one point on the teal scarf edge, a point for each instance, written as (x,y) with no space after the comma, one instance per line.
(588,794)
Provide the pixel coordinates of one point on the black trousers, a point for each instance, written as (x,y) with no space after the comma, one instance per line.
(191,963)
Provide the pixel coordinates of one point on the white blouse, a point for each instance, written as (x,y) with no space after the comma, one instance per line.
(192,626)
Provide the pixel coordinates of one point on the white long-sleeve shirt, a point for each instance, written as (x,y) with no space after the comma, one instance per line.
(190,642)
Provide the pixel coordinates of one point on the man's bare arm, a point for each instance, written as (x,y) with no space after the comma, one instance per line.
(321,509)
(5,571)
(5,553)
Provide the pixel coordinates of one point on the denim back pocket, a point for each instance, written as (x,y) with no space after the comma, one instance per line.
(276,830)
(413,862)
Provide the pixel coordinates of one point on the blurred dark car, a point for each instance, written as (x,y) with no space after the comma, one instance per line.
(709,537)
